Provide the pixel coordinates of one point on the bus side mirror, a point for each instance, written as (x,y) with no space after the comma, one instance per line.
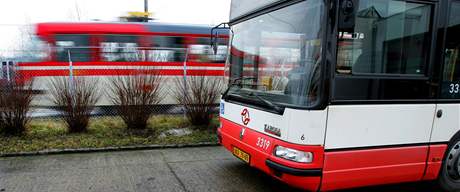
(215,43)
(215,36)
(347,15)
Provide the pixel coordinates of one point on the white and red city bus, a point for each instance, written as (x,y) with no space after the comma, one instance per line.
(335,94)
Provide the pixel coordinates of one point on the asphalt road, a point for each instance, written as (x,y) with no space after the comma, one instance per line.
(186,169)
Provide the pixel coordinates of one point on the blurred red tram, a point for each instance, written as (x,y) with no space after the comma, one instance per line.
(104,50)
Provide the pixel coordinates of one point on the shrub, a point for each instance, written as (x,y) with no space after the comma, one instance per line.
(15,102)
(198,96)
(134,95)
(75,100)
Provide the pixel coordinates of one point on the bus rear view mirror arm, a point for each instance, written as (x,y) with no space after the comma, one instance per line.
(215,36)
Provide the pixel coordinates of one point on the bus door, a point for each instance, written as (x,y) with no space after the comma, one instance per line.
(379,121)
(447,121)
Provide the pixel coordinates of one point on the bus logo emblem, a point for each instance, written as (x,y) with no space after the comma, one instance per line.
(245,116)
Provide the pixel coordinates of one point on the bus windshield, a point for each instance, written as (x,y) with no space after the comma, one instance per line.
(276,56)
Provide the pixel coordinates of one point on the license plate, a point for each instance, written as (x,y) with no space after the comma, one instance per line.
(241,154)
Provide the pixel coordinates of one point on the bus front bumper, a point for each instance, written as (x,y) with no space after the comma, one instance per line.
(304,176)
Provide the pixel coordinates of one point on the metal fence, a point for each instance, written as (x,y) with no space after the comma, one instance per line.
(103,67)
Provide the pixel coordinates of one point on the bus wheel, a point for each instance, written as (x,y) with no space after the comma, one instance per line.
(449,177)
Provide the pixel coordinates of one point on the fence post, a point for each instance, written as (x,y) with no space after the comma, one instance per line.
(70,76)
(15,69)
(185,79)
(8,71)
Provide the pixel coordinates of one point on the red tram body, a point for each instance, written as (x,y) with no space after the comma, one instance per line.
(88,44)
(105,50)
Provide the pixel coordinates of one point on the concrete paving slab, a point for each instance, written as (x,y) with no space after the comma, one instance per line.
(78,161)
(155,177)
(196,154)
(225,176)
(123,171)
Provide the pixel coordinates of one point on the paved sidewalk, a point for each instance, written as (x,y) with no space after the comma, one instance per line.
(184,169)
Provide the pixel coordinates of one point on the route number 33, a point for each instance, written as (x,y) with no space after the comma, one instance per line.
(454,88)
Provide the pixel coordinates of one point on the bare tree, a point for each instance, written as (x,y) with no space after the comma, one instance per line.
(134,95)
(15,102)
(75,99)
(198,95)
(77,10)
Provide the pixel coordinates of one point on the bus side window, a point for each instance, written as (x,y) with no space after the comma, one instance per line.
(75,45)
(450,88)
(383,50)
(384,37)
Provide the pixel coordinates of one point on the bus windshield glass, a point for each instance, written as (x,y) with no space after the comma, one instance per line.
(276,56)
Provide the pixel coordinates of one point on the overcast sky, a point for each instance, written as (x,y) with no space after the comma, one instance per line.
(15,13)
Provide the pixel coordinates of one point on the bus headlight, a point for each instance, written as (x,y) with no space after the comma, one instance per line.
(293,155)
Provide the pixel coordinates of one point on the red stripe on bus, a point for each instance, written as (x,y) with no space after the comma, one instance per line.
(434,162)
(357,168)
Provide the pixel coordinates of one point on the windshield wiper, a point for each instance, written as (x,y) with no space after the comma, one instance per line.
(272,105)
(237,81)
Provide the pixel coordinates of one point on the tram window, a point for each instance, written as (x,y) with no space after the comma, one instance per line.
(384,37)
(451,74)
(37,50)
(75,45)
(167,49)
(201,51)
(119,48)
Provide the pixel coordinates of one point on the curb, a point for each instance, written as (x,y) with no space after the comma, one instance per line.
(107,149)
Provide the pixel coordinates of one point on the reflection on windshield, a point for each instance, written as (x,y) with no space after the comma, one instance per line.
(278,54)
